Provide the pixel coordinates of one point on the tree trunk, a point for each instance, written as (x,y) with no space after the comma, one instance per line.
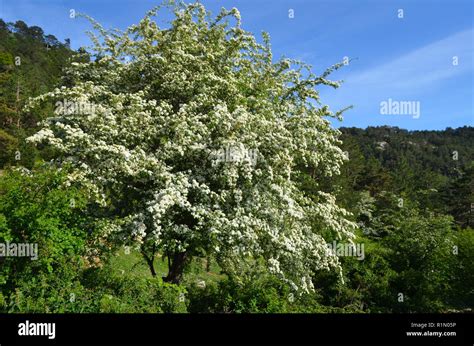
(150,260)
(208,264)
(151,266)
(176,269)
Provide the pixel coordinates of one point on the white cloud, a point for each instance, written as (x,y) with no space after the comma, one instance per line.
(423,67)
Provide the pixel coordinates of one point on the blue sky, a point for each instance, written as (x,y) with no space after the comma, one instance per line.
(402,59)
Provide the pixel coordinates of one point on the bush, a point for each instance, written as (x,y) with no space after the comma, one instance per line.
(422,254)
(36,209)
(137,295)
(96,291)
(52,293)
(264,295)
(462,295)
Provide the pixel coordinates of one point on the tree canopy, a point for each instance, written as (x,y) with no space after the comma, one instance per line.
(191,139)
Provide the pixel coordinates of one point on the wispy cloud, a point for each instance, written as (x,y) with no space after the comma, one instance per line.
(424,67)
(426,74)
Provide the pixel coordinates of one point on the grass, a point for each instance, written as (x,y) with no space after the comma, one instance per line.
(133,265)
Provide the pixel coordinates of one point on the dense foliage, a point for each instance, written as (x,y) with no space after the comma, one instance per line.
(138,210)
(163,107)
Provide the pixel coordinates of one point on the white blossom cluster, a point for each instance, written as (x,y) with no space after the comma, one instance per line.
(165,101)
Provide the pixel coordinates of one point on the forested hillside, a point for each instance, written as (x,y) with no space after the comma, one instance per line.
(410,194)
(31,63)
(432,168)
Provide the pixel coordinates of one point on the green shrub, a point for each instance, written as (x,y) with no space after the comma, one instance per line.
(142,295)
(265,295)
(462,294)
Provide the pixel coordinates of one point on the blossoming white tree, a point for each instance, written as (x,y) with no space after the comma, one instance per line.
(167,102)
